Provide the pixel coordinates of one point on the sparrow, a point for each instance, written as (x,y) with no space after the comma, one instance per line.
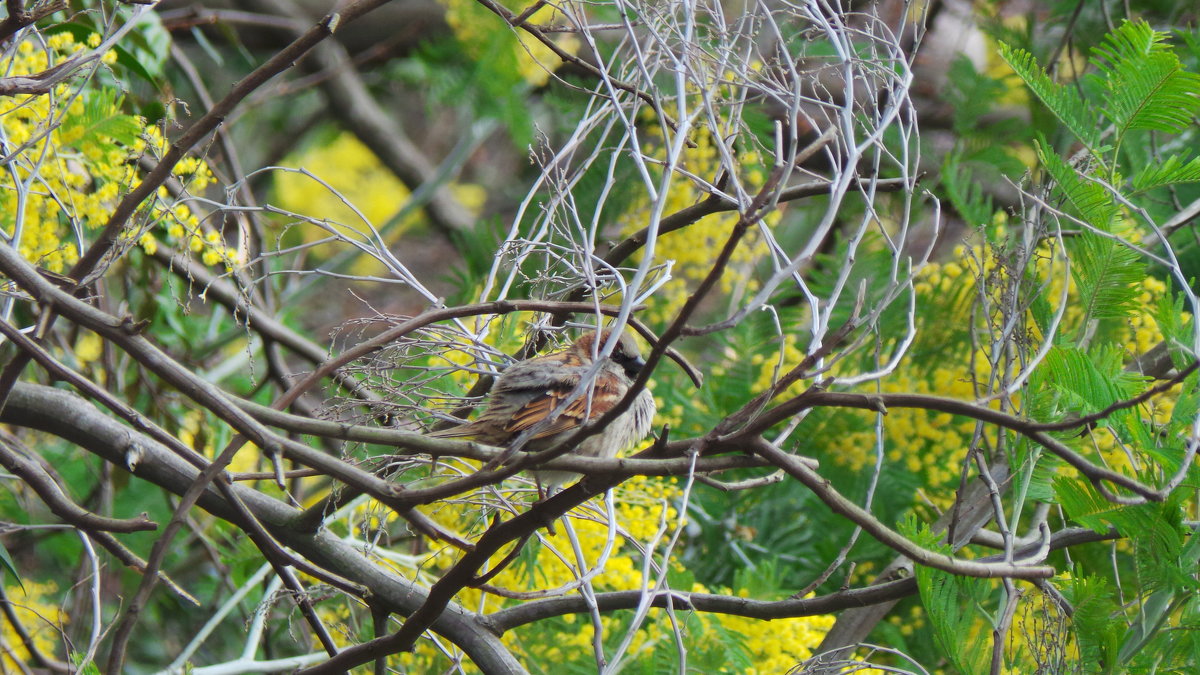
(527,394)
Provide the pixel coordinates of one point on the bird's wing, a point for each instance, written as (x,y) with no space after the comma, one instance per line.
(526,393)
(585,406)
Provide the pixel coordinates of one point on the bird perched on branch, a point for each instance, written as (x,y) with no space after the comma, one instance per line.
(528,394)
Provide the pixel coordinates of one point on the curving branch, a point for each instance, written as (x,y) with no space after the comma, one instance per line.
(767,610)
(1032,430)
(21,17)
(51,493)
(894,540)
(67,416)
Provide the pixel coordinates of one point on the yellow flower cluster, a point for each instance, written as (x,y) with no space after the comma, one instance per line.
(354,176)
(73,157)
(775,646)
(351,169)
(645,512)
(927,443)
(773,366)
(39,616)
(932,444)
(695,248)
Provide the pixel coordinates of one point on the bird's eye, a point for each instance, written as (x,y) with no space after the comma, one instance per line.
(630,362)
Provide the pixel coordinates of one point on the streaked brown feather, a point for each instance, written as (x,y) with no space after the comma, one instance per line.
(528,392)
(578,411)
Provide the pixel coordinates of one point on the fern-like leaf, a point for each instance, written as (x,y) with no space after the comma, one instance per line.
(100,124)
(951,603)
(1096,629)
(1083,504)
(1088,200)
(966,195)
(1147,86)
(1173,170)
(1105,271)
(1088,382)
(1107,274)
(1067,105)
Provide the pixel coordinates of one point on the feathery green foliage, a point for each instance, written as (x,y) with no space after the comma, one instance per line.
(1171,171)
(1144,83)
(951,603)
(1067,105)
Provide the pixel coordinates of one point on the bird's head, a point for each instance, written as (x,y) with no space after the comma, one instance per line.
(625,354)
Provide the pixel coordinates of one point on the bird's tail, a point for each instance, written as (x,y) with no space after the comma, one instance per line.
(460,431)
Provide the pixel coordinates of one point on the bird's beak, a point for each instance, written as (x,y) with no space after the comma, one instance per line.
(633,367)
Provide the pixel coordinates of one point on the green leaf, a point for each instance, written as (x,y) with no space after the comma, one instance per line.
(971,94)
(99,125)
(1187,404)
(967,196)
(952,604)
(1089,200)
(1064,102)
(1172,171)
(1086,383)
(1107,274)
(7,562)
(90,669)
(1083,504)
(1151,619)
(1098,630)
(1158,537)
(1147,86)
(1041,480)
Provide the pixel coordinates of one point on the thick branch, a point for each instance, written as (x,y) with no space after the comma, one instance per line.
(70,417)
(19,17)
(767,610)
(60,504)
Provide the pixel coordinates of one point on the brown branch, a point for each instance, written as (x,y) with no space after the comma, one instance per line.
(884,534)
(19,17)
(43,82)
(51,493)
(538,610)
(462,574)
(715,203)
(67,416)
(880,402)
(1088,420)
(131,560)
(245,311)
(526,613)
(445,447)
(94,391)
(567,57)
(191,17)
